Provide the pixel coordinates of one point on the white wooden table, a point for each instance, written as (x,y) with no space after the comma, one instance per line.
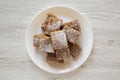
(103,63)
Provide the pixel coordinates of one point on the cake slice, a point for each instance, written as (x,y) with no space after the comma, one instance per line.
(52,23)
(36,38)
(72,34)
(75,50)
(63,54)
(59,40)
(43,42)
(51,59)
(73,24)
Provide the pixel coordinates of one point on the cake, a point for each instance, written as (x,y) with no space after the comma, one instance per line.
(75,50)
(73,24)
(51,23)
(43,42)
(59,40)
(71,34)
(63,54)
(51,59)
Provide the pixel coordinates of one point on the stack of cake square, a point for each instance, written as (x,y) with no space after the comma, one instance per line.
(59,40)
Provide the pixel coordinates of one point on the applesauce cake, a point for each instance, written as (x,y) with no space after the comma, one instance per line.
(71,34)
(43,42)
(58,40)
(51,23)
(73,24)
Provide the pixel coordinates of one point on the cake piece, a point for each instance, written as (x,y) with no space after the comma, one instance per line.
(63,54)
(75,50)
(59,40)
(52,23)
(43,42)
(51,59)
(72,34)
(36,40)
(73,24)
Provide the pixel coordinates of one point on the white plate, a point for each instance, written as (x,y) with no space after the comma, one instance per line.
(67,14)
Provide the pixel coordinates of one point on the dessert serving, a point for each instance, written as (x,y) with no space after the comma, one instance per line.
(58,40)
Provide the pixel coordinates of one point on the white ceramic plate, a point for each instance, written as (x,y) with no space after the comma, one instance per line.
(67,14)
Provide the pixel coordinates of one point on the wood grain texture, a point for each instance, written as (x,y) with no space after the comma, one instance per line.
(103,63)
